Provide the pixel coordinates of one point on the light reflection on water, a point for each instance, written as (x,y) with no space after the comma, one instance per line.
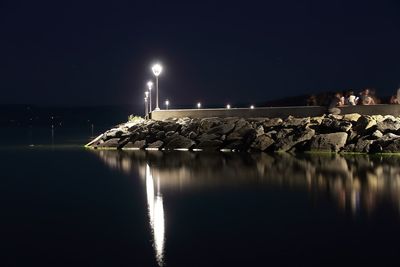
(357,183)
(156,215)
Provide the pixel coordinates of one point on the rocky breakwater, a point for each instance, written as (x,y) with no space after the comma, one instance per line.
(328,133)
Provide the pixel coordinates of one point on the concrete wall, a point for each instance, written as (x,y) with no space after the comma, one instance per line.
(273,112)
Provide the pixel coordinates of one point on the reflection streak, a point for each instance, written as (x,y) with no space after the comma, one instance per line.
(156,216)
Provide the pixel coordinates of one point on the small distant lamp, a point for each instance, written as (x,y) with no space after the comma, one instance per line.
(166,103)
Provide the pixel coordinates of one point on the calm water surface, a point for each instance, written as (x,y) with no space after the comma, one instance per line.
(66,206)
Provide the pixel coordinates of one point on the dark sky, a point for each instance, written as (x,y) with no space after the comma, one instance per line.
(89,53)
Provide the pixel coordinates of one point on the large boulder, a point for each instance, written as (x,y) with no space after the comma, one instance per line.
(389,125)
(363,145)
(291,122)
(333,125)
(389,143)
(295,137)
(329,142)
(271,123)
(110,143)
(139,144)
(179,141)
(157,144)
(365,124)
(207,137)
(352,117)
(262,143)
(221,129)
(207,123)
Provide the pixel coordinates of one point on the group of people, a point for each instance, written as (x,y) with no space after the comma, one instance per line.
(349,99)
(365,97)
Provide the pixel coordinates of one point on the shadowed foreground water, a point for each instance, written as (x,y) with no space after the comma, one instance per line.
(63,207)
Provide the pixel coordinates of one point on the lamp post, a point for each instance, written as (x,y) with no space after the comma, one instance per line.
(198,105)
(150,86)
(145,107)
(157,68)
(166,103)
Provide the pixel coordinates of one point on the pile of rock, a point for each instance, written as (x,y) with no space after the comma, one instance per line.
(331,133)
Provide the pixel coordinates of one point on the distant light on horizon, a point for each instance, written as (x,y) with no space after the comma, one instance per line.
(228,106)
(252,107)
(198,105)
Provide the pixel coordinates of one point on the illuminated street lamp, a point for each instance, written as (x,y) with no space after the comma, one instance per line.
(150,86)
(228,106)
(157,68)
(166,103)
(252,107)
(199,105)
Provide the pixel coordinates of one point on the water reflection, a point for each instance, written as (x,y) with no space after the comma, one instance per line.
(156,215)
(357,183)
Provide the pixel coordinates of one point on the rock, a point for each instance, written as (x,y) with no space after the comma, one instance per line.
(365,124)
(388,125)
(271,134)
(160,135)
(335,116)
(316,120)
(376,135)
(111,143)
(172,127)
(272,123)
(291,122)
(137,144)
(259,130)
(283,132)
(294,138)
(184,121)
(333,125)
(388,143)
(352,117)
(257,120)
(349,148)
(262,142)
(179,141)
(240,123)
(192,135)
(392,147)
(123,142)
(329,142)
(207,137)
(362,145)
(222,129)
(234,136)
(210,145)
(207,123)
(156,144)
(169,134)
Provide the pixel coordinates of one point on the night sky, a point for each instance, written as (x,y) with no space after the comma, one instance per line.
(95,53)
